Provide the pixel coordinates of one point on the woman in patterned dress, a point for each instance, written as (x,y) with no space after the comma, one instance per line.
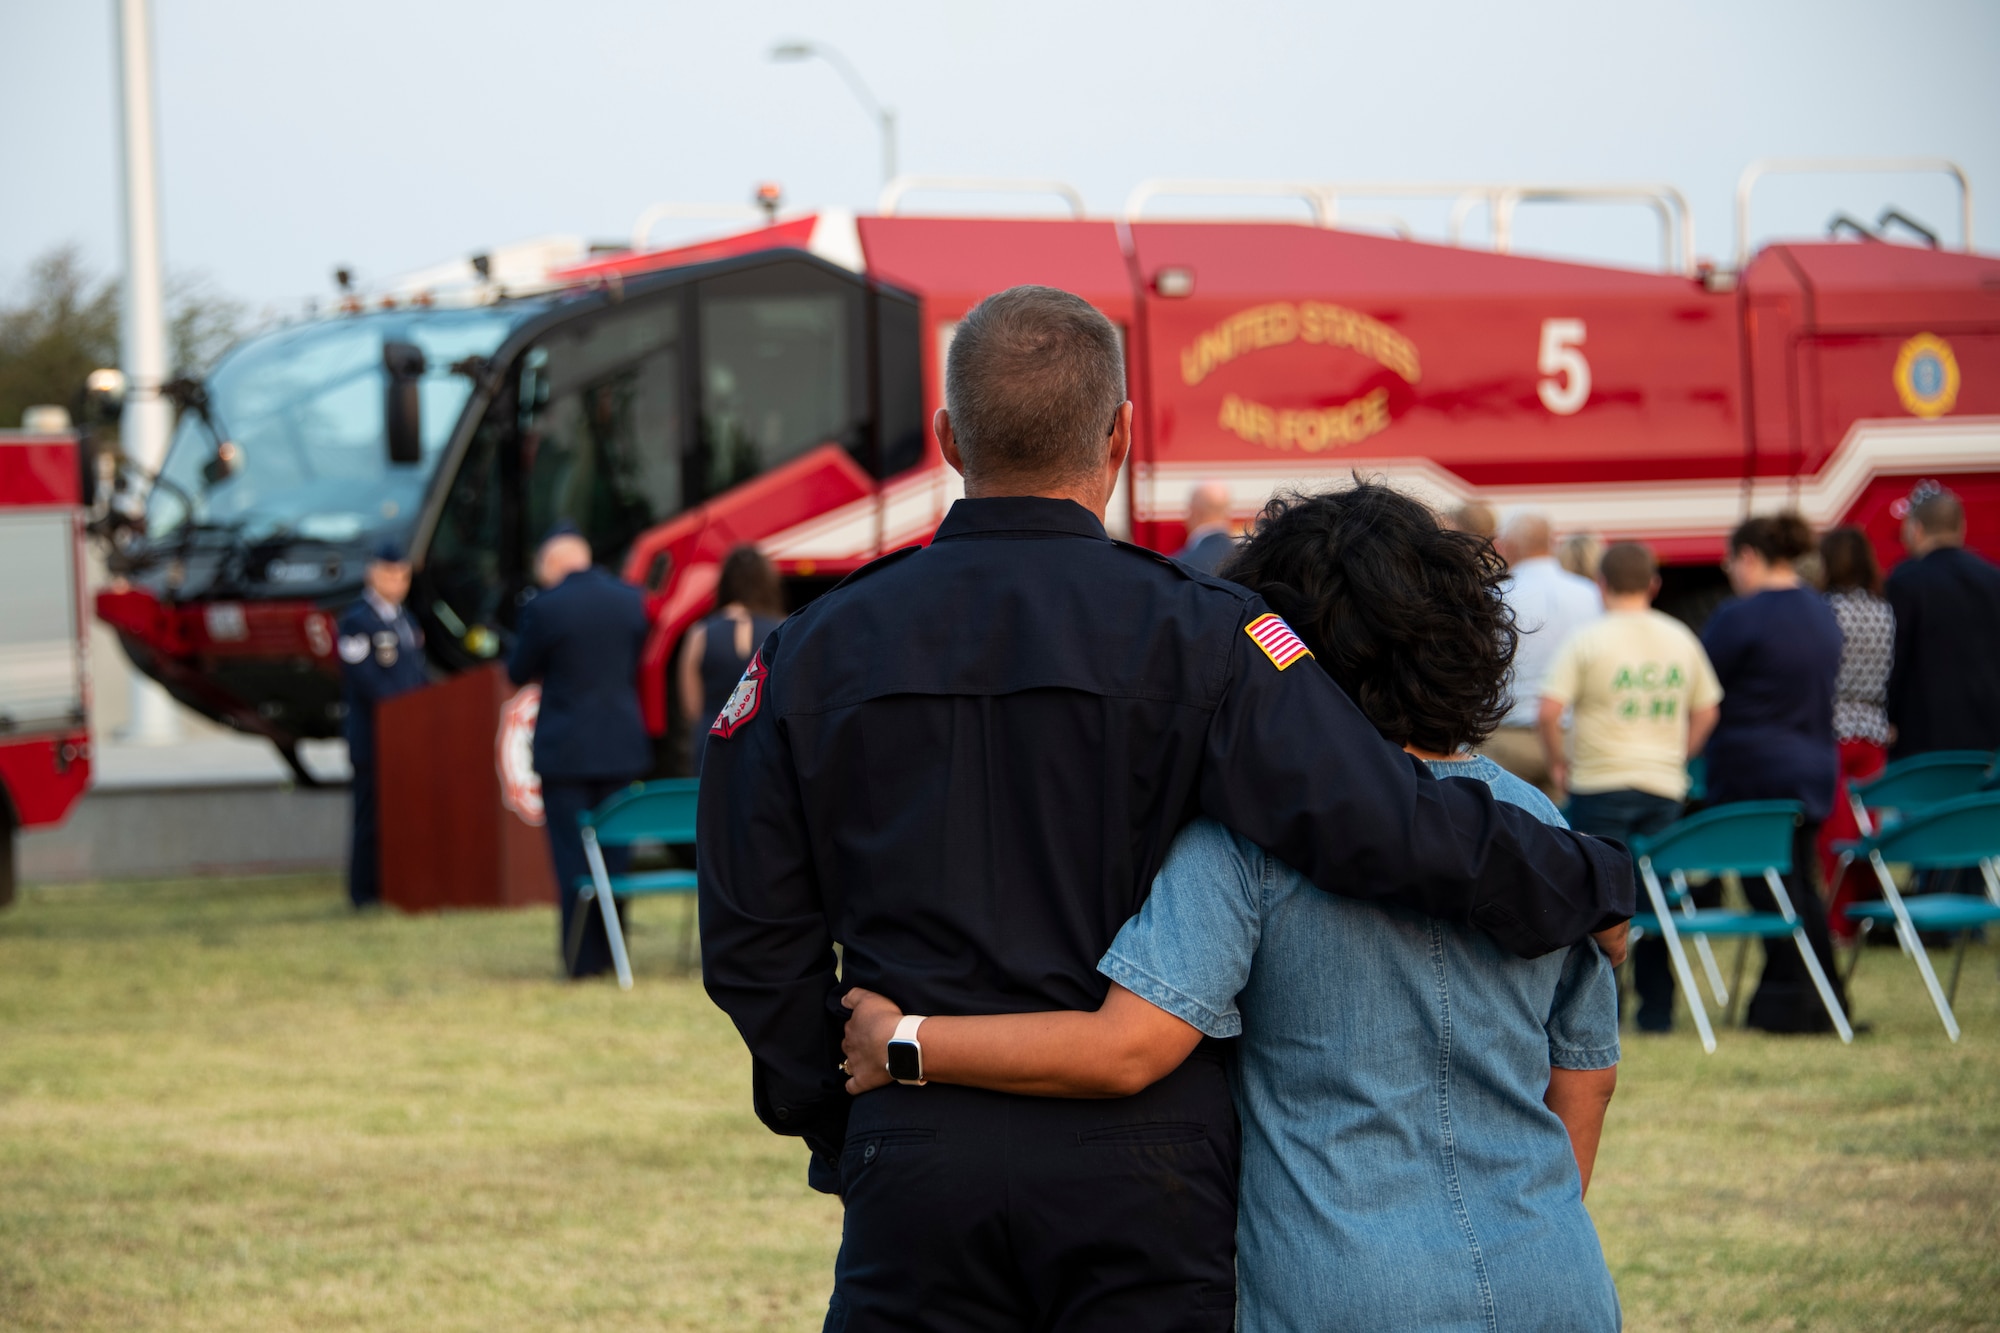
(1860,722)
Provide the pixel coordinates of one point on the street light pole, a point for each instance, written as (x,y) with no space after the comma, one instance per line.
(145,423)
(885,117)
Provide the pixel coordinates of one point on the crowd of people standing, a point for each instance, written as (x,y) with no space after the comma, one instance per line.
(1811,677)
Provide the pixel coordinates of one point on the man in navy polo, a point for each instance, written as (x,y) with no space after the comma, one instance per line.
(581,638)
(964,766)
(1210,539)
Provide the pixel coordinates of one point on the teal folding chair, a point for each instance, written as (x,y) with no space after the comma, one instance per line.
(655,812)
(1909,785)
(1749,838)
(1954,835)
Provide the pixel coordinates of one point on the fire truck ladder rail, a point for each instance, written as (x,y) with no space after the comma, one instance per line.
(1324,198)
(1792,166)
(1676,219)
(890,203)
(1324,205)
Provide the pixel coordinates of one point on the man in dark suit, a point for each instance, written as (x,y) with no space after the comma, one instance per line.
(381,656)
(1210,538)
(1944,688)
(581,638)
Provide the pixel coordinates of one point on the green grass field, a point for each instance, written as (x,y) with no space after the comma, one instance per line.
(231,1105)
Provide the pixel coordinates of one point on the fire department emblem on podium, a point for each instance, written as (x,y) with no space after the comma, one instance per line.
(1927,376)
(514,755)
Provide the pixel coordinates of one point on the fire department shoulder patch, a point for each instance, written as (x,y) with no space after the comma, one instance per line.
(1275,637)
(742,705)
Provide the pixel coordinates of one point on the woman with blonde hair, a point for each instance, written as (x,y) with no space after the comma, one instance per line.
(1581,553)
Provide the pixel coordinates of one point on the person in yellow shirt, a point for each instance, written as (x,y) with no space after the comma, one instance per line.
(1642,698)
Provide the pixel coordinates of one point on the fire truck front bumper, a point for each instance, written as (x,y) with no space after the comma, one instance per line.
(267,668)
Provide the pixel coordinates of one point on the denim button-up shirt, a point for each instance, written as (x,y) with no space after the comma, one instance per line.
(1399,1167)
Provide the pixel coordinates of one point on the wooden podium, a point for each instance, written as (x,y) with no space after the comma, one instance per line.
(456,799)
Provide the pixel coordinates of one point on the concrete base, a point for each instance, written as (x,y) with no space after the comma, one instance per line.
(213,806)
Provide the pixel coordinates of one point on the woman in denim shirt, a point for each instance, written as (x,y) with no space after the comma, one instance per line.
(1420,1108)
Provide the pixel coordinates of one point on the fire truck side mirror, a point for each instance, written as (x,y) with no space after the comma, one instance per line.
(402,412)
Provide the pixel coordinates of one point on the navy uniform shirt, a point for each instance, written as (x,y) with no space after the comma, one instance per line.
(582,639)
(1207,554)
(381,656)
(1944,689)
(966,764)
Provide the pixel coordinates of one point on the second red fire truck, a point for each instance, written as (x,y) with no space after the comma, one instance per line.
(44,675)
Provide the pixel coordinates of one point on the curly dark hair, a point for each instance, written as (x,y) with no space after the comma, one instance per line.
(1405,615)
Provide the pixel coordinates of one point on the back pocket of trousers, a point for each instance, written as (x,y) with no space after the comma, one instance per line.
(865,1150)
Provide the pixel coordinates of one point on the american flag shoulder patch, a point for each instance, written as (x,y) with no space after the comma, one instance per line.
(1275,637)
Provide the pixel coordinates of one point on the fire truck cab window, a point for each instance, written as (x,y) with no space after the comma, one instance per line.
(600,426)
(899,371)
(781,371)
(472,567)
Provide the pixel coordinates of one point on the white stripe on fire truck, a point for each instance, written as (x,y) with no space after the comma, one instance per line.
(1704,507)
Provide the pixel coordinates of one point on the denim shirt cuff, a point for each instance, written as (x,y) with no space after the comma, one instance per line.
(1161,995)
(1579,1058)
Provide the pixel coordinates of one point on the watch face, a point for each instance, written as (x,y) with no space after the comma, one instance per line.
(906,1061)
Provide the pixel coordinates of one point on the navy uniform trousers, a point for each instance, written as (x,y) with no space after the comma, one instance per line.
(364,858)
(563,800)
(978,1212)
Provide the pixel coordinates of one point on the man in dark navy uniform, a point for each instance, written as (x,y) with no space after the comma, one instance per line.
(1209,538)
(381,656)
(1944,687)
(965,766)
(581,638)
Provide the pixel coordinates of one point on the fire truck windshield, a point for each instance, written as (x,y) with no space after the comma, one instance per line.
(304,405)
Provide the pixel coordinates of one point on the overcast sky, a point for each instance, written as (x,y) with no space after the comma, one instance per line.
(391,134)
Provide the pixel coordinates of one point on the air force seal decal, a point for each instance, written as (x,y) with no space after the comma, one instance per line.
(743,703)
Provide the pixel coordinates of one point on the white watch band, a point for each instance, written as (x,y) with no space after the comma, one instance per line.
(906,1032)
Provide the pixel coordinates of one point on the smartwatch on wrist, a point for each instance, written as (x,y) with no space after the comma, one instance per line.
(906,1055)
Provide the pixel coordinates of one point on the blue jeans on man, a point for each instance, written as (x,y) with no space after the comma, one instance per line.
(1626,814)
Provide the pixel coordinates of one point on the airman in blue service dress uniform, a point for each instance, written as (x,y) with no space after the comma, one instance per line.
(965,765)
(381,656)
(581,638)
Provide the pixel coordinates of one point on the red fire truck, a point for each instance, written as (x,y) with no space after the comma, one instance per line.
(44,682)
(775,387)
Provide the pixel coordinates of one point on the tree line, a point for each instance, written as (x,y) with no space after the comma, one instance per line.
(63,323)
